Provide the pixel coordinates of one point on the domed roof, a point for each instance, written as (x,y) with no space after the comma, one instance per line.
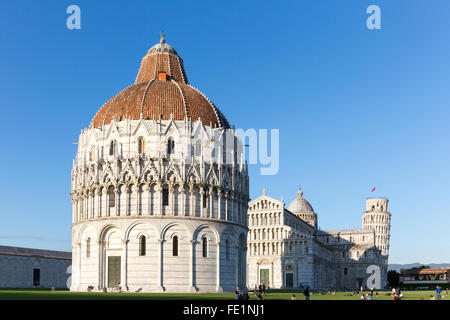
(161,92)
(161,47)
(300,204)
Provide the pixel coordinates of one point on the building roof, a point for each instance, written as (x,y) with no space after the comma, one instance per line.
(300,204)
(17,251)
(421,270)
(161,92)
(434,271)
(342,231)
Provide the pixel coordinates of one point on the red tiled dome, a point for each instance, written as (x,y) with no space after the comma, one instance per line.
(161,91)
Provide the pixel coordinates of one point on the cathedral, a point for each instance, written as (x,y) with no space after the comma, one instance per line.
(159,189)
(287,250)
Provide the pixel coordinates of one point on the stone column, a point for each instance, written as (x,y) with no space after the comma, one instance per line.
(160,265)
(92,203)
(234,210)
(218,286)
(182,191)
(211,203)
(116,201)
(219,203)
(105,205)
(127,200)
(159,191)
(124,265)
(100,266)
(202,209)
(191,201)
(226,206)
(99,203)
(86,205)
(78,250)
(172,200)
(192,286)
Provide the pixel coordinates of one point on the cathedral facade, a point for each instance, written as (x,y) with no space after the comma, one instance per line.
(287,250)
(159,189)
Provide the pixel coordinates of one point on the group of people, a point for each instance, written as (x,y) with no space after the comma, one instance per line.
(306,293)
(241,296)
(397,294)
(260,291)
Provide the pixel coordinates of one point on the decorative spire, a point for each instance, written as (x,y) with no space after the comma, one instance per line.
(162,38)
(300,193)
(264,191)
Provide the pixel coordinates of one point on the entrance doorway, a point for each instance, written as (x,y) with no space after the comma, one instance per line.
(289,280)
(113,272)
(264,276)
(36,277)
(360,282)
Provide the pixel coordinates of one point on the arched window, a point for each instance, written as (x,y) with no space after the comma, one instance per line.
(165,197)
(112,148)
(205,197)
(198,148)
(170,146)
(88,247)
(175,246)
(142,245)
(111,197)
(227,249)
(141,145)
(205,247)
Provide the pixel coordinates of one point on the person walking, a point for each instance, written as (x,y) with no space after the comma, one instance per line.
(236,294)
(293,297)
(438,293)
(307,293)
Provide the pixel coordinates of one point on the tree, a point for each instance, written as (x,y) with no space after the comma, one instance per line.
(393,278)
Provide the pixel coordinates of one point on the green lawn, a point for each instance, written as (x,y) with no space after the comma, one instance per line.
(42,294)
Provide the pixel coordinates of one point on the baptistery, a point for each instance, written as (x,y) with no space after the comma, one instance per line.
(159,189)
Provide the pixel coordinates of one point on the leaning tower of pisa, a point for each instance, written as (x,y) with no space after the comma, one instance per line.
(378,218)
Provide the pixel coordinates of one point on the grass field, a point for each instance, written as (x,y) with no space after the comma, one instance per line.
(42,294)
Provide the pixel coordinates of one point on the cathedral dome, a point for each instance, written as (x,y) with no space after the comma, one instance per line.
(161,92)
(300,204)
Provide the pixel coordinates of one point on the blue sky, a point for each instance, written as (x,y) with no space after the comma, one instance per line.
(356,108)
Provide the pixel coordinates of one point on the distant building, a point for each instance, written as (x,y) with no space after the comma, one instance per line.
(287,250)
(425,276)
(28,268)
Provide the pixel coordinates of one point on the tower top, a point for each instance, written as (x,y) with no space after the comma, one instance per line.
(377,204)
